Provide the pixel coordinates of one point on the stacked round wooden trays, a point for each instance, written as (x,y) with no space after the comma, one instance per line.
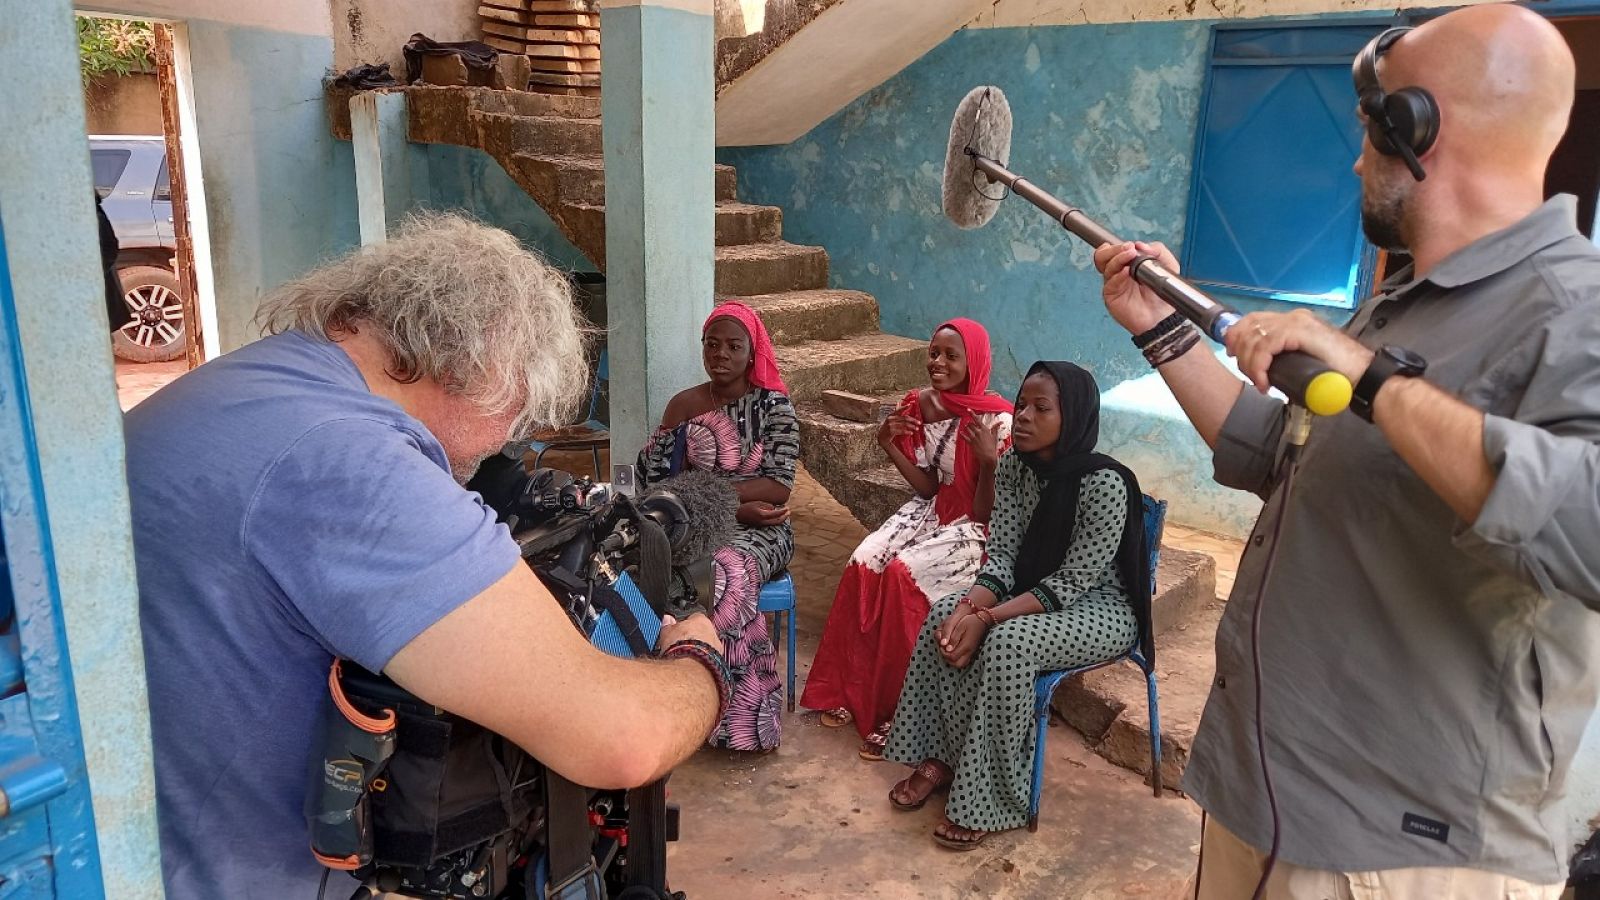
(560,38)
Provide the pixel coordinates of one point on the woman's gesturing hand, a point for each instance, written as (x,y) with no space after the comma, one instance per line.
(895,426)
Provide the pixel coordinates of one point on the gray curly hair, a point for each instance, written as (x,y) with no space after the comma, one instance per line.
(459,302)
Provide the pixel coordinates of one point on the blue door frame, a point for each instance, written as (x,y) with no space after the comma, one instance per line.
(48,847)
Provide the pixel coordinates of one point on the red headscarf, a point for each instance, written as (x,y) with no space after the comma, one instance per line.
(763,361)
(955,500)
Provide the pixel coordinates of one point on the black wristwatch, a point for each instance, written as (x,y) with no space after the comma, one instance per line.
(1387,362)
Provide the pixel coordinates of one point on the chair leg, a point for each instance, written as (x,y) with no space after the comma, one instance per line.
(1155,734)
(794,650)
(1035,792)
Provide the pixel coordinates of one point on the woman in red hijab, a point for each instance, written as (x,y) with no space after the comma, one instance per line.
(945,439)
(739,424)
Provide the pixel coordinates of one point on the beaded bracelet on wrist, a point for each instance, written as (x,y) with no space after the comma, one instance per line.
(707,655)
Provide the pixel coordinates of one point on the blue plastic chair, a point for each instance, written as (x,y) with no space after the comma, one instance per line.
(1155,515)
(599,436)
(777,597)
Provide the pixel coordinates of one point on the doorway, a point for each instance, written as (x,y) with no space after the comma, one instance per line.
(1575,168)
(146,187)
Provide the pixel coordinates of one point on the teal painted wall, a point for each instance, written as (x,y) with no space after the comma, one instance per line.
(1105,118)
(468,179)
(280,190)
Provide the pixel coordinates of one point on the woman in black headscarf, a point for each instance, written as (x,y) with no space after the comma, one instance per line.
(1066,584)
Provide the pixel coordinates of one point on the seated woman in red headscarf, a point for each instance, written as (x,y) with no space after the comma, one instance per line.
(945,439)
(740,424)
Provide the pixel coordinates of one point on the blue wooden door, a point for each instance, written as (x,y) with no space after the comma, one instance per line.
(47,835)
(1275,211)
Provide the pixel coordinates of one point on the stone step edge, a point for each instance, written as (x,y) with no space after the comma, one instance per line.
(1107,707)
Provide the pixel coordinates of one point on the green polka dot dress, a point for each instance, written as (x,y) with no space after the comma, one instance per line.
(979,720)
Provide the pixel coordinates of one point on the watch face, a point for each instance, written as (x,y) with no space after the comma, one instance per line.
(1406,358)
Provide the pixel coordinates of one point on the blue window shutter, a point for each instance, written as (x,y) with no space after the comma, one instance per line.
(1275,209)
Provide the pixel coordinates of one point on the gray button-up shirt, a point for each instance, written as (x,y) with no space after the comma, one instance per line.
(1427,682)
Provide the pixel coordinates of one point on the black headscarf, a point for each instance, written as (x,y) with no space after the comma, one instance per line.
(1050,530)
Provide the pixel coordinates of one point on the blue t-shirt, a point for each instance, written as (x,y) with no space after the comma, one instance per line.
(282,514)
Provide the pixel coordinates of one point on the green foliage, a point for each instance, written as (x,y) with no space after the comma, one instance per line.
(119,46)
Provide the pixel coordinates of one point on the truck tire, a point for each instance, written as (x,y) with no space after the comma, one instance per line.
(155,329)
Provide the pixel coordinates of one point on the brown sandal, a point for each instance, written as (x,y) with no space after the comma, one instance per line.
(838,717)
(958,844)
(872,748)
(933,773)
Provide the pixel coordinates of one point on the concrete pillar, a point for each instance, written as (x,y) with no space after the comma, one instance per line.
(62,465)
(384,185)
(658,112)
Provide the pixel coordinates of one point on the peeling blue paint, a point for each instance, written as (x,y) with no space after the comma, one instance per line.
(1105,118)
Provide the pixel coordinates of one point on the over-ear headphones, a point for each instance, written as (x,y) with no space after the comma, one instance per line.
(1404,123)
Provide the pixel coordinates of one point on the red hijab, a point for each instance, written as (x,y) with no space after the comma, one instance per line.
(763,361)
(955,500)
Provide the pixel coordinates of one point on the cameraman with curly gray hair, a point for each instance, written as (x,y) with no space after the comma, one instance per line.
(300,499)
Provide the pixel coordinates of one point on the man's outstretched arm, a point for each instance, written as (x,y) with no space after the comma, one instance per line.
(510,660)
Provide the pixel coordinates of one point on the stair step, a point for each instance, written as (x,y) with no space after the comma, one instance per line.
(873,495)
(1108,705)
(527,103)
(582,179)
(543,175)
(747,223)
(539,135)
(727,183)
(866,364)
(820,315)
(771,268)
(585,219)
(737,223)
(843,446)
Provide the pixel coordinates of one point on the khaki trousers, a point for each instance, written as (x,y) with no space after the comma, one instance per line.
(1230,869)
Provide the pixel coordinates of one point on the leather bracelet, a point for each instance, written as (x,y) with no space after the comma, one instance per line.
(715,663)
(1172,347)
(1177,335)
(1170,324)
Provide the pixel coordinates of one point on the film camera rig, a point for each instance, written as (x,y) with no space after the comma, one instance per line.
(414,801)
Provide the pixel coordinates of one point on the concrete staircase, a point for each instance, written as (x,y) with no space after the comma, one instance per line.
(826,338)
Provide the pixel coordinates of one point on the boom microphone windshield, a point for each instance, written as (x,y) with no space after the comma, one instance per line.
(696,509)
(982,123)
(975,166)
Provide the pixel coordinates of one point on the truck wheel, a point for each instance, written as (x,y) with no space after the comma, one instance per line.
(154,331)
